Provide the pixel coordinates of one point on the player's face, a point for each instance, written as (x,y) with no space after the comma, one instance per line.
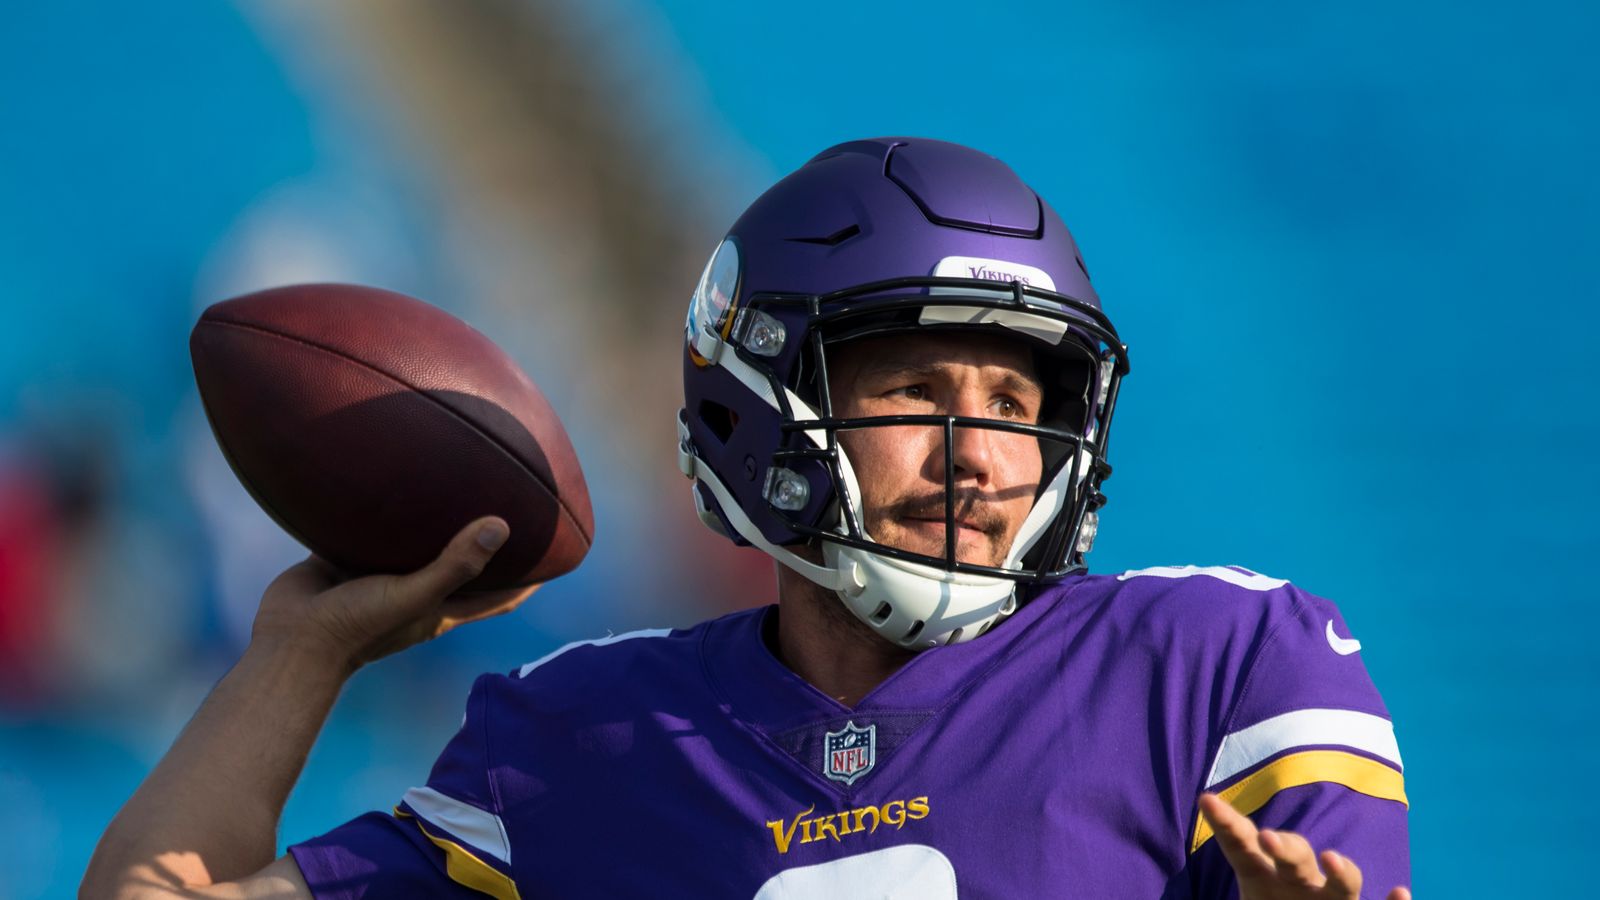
(901,469)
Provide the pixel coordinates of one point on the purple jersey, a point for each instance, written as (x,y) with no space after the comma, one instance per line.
(1058,756)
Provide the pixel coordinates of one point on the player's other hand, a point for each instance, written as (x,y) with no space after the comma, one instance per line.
(1281,865)
(351,622)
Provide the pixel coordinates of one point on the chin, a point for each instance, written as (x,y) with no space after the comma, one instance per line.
(973,551)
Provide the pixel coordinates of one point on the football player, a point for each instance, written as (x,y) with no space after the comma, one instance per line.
(900,384)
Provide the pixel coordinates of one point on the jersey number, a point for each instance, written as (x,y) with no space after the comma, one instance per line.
(908,871)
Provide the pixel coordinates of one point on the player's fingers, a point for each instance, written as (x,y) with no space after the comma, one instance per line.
(1344,876)
(461,561)
(1236,836)
(1399,893)
(1292,854)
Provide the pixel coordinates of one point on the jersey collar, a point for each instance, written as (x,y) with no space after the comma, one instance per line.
(761,691)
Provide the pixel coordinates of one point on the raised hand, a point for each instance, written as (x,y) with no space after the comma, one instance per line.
(355,621)
(1281,865)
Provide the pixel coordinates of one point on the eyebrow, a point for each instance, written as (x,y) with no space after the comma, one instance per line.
(1019,384)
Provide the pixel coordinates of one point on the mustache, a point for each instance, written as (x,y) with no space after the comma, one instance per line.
(972,509)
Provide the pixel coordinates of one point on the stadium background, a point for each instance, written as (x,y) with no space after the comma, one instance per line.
(1350,246)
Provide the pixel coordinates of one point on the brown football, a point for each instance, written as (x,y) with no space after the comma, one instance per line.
(372,427)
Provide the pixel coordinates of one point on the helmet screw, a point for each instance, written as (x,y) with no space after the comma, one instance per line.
(1091,527)
(749,468)
(785,489)
(766,334)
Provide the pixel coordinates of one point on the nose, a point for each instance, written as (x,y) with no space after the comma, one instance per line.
(972,449)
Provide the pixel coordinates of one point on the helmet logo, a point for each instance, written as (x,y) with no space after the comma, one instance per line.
(993,270)
(711,309)
(850,752)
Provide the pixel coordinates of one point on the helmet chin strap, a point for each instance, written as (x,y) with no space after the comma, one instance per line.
(919,606)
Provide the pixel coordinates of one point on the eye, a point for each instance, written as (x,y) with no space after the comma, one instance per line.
(1009,408)
(912,392)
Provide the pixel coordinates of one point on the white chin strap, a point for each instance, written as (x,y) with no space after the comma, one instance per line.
(918,606)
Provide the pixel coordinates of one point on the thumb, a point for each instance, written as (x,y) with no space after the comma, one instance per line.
(461,561)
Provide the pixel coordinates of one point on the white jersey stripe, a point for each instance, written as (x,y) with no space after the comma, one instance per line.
(466,823)
(1234,575)
(597,642)
(1251,746)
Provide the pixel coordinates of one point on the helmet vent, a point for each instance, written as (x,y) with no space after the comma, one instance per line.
(831,240)
(718,418)
(881,614)
(962,188)
(916,629)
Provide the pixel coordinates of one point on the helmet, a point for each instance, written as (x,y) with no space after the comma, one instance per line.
(878,237)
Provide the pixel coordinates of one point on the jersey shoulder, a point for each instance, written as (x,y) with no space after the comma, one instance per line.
(600,671)
(1271,646)
(1253,634)
(1286,708)
(1206,602)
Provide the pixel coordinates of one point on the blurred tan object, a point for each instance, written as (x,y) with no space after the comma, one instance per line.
(581,207)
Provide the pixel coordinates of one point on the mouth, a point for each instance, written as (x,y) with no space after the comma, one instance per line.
(965,528)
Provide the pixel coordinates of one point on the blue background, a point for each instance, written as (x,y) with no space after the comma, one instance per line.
(1349,245)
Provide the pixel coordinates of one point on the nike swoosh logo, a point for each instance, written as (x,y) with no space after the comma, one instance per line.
(1341,646)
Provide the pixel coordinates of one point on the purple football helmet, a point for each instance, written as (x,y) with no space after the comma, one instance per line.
(878,237)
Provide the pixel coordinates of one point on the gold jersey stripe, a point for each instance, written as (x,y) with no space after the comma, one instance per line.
(465,868)
(1357,773)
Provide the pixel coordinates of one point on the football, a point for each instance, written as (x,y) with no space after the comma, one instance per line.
(372,426)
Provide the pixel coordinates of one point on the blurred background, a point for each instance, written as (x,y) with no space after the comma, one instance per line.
(1350,246)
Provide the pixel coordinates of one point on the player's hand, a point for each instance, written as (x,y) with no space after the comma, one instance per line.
(351,622)
(1281,865)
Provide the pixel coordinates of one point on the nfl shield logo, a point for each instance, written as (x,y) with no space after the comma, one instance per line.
(848,754)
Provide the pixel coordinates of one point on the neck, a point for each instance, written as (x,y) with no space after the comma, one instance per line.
(824,643)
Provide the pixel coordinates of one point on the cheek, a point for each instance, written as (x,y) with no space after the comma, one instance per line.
(885,459)
(1022,463)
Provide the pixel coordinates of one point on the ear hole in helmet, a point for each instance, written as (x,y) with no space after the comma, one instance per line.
(720,419)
